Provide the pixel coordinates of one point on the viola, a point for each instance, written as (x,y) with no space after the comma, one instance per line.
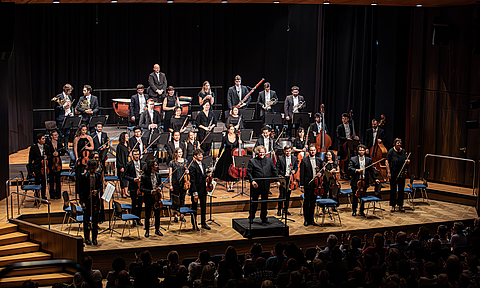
(319,189)
(361,187)
(300,155)
(44,164)
(233,171)
(186,178)
(293,182)
(323,141)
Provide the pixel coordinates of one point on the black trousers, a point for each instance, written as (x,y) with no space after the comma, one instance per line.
(309,205)
(396,198)
(86,227)
(180,193)
(331,193)
(264,196)
(284,193)
(149,201)
(203,207)
(355,200)
(137,203)
(78,173)
(40,180)
(55,186)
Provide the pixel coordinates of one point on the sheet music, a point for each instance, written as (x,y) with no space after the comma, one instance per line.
(107,195)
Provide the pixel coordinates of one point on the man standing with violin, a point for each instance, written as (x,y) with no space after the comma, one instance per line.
(198,176)
(266,141)
(90,189)
(38,154)
(310,168)
(56,150)
(150,185)
(287,166)
(133,173)
(360,165)
(174,144)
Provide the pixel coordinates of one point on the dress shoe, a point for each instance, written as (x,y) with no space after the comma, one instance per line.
(354,213)
(94,242)
(314,224)
(305,224)
(157,232)
(362,214)
(88,242)
(147,234)
(265,221)
(288,213)
(205,226)
(139,223)
(402,210)
(279,213)
(195,228)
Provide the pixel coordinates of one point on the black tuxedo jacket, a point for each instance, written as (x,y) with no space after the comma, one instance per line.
(122,155)
(146,184)
(99,142)
(35,157)
(307,173)
(233,99)
(281,164)
(341,135)
(261,168)
(130,175)
(198,178)
(59,111)
(261,101)
(355,164)
(132,142)
(157,84)
(135,105)
(314,128)
(84,192)
(171,149)
(145,121)
(93,106)
(288,106)
(260,141)
(369,136)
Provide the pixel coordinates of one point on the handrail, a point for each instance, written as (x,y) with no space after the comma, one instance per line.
(7,191)
(40,199)
(49,263)
(451,158)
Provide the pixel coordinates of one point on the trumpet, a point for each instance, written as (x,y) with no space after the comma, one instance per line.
(84,105)
(270,103)
(61,102)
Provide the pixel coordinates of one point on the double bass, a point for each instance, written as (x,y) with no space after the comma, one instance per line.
(323,141)
(233,171)
(378,151)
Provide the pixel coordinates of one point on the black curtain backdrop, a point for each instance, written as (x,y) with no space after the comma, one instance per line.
(328,51)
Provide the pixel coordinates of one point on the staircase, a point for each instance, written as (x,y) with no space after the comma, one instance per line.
(15,247)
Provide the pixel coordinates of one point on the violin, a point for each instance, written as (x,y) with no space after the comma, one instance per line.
(157,197)
(233,171)
(319,189)
(186,178)
(44,164)
(57,163)
(140,192)
(293,182)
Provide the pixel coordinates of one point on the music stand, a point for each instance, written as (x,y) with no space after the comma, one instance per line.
(302,119)
(241,162)
(246,134)
(247,113)
(274,119)
(95,119)
(218,114)
(71,122)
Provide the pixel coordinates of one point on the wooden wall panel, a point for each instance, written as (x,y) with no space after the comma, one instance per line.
(415,141)
(417,50)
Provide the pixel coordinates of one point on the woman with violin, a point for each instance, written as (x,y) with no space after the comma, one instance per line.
(121,162)
(177,170)
(82,147)
(299,142)
(287,166)
(330,179)
(56,150)
(133,174)
(169,104)
(206,120)
(191,144)
(396,158)
(309,183)
(176,122)
(235,119)
(36,161)
(229,143)
(150,186)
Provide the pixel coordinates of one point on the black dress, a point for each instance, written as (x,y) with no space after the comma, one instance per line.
(205,120)
(203,95)
(330,193)
(178,170)
(297,143)
(176,123)
(190,148)
(234,120)
(221,170)
(171,102)
(82,142)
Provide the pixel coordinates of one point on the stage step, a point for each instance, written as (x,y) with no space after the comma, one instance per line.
(6,228)
(18,248)
(30,271)
(14,237)
(32,256)
(42,279)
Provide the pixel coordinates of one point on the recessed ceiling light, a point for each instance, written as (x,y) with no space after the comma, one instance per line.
(114,1)
(276,2)
(56,1)
(373,4)
(170,1)
(224,1)
(419,5)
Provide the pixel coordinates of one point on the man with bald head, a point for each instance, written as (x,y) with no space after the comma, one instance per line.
(158,84)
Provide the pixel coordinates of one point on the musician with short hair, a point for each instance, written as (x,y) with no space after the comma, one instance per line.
(293,103)
(177,122)
(157,83)
(91,107)
(101,140)
(35,157)
(344,132)
(206,121)
(56,150)
(237,93)
(286,165)
(91,187)
(150,122)
(359,167)
(317,126)
(138,104)
(136,141)
(266,141)
(396,159)
(174,144)
(267,97)
(133,173)
(151,182)
(64,110)
(170,103)
(309,169)
(198,189)
(372,134)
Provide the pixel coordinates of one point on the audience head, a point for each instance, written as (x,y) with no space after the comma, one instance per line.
(429,269)
(29,284)
(87,262)
(207,275)
(123,278)
(256,250)
(230,254)
(267,284)
(317,265)
(423,233)
(173,257)
(458,227)
(204,257)
(442,231)
(355,242)
(279,249)
(378,240)
(332,241)
(119,264)
(401,237)
(260,262)
(323,276)
(146,257)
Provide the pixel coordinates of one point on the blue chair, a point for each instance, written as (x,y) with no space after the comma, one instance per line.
(325,204)
(183,210)
(348,193)
(68,174)
(370,199)
(420,186)
(35,188)
(118,214)
(115,181)
(68,209)
(410,196)
(303,200)
(74,217)
(167,204)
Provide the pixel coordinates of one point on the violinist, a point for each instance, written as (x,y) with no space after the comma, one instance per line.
(229,143)
(206,121)
(198,176)
(396,157)
(55,163)
(136,140)
(265,140)
(191,144)
(286,165)
(309,169)
(133,176)
(176,122)
(299,142)
(260,167)
(176,172)
(99,141)
(121,162)
(174,144)
(344,132)
(82,147)
(90,190)
(150,122)
(150,185)
(35,162)
(235,119)
(360,178)
(373,133)
(329,183)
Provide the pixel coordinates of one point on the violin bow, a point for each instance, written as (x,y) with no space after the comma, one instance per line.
(317,173)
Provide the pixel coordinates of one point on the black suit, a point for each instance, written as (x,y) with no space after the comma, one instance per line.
(157,83)
(60,117)
(261,142)
(260,168)
(35,158)
(353,165)
(261,102)
(369,141)
(145,121)
(233,98)
(341,138)
(85,187)
(135,107)
(130,175)
(199,186)
(288,106)
(282,168)
(171,149)
(54,176)
(132,143)
(93,105)
(146,187)
(306,175)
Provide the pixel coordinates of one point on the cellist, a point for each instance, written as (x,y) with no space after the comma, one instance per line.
(308,171)
(133,176)
(150,184)
(360,178)
(286,165)
(373,133)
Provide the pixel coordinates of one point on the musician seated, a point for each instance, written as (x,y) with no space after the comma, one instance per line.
(174,144)
(235,119)
(266,141)
(299,142)
(177,122)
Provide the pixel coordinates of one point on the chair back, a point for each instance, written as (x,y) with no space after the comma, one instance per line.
(23,178)
(66,199)
(118,209)
(74,209)
(175,199)
(425,176)
(412,177)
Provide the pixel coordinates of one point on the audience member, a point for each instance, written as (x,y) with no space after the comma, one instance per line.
(96,275)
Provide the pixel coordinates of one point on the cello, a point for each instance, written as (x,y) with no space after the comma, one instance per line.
(323,141)
(300,156)
(233,171)
(378,151)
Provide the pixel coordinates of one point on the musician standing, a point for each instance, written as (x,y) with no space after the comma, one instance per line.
(198,176)
(176,172)
(264,98)
(121,162)
(174,144)
(177,121)
(357,166)
(150,121)
(191,143)
(92,107)
(230,142)
(292,101)
(158,84)
(133,176)
(90,190)
(35,157)
(286,165)
(169,105)
(237,93)
(65,110)
(396,158)
(136,141)
(150,185)
(138,104)
(101,140)
(206,121)
(82,145)
(317,126)
(372,134)
(260,167)
(330,186)
(344,132)
(56,150)
(309,168)
(206,94)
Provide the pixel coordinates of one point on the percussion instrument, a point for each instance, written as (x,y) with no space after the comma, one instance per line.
(184,105)
(121,106)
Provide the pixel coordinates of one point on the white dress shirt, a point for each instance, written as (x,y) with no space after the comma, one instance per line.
(139,144)
(137,168)
(362,164)
(313,162)
(295,100)
(41,149)
(288,161)
(347,130)
(267,99)
(69,110)
(141,102)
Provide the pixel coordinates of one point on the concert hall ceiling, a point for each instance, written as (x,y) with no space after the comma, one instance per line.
(424,3)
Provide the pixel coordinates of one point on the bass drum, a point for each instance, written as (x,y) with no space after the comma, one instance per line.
(121,107)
